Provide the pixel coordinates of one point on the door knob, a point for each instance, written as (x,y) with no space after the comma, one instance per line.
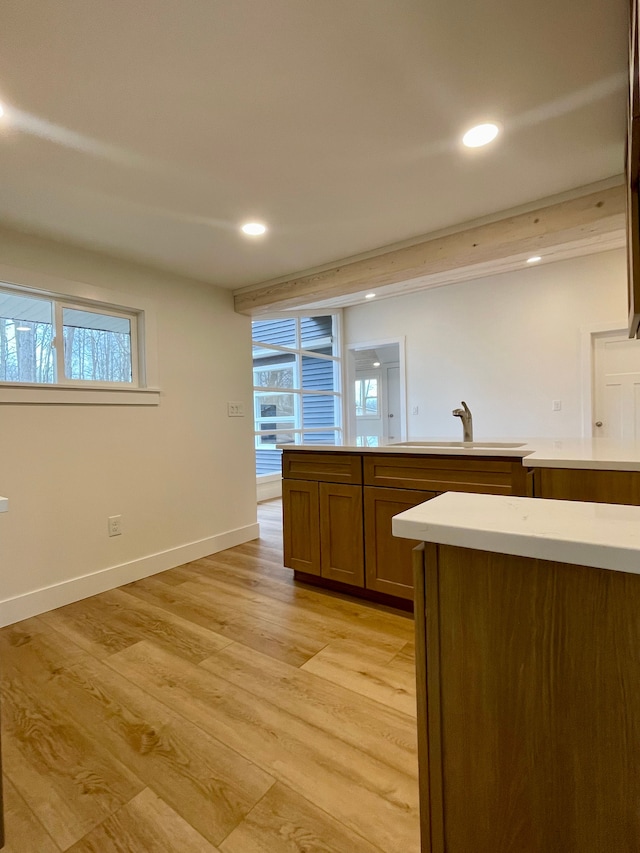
(390,416)
(598,423)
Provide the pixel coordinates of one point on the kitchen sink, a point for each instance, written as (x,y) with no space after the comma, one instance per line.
(457,444)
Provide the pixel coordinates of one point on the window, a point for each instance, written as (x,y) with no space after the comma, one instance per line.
(296,385)
(367,398)
(48,341)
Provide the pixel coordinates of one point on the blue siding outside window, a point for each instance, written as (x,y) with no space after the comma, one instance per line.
(282,332)
(268,462)
(318,410)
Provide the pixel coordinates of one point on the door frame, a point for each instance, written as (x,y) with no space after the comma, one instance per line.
(349,383)
(587,368)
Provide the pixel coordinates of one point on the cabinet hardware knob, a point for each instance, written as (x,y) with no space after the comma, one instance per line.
(598,423)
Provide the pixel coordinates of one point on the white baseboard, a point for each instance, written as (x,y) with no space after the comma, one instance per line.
(268,489)
(48,598)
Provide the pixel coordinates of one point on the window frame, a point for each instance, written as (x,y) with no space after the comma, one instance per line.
(78,295)
(58,343)
(277,366)
(335,341)
(367,376)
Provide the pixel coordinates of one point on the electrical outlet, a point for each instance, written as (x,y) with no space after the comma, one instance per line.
(115,525)
(556,405)
(235,410)
(414,410)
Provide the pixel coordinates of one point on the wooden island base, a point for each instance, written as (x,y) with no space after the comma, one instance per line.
(529,704)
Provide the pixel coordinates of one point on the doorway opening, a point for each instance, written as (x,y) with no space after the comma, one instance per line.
(376,392)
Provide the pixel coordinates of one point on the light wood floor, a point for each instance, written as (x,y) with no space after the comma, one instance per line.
(214,707)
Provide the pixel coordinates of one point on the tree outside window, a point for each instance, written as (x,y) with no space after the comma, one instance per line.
(367,397)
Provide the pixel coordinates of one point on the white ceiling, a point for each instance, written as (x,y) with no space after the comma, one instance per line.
(152,129)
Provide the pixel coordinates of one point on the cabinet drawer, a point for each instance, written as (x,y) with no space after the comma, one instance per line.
(322,467)
(446,474)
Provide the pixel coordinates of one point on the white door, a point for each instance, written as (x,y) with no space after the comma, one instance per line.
(393,425)
(617,387)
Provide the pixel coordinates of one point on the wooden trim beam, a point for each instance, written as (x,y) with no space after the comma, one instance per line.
(578,221)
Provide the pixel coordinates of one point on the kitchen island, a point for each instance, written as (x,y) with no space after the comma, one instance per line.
(338,500)
(528,665)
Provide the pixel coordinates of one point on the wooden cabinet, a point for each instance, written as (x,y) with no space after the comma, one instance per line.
(577,484)
(301,525)
(341,539)
(485,475)
(322,467)
(388,558)
(337,511)
(528,707)
(323,527)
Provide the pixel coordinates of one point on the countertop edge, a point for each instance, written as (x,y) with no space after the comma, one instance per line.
(579,454)
(585,534)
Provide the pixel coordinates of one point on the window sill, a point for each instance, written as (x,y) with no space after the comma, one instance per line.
(26,394)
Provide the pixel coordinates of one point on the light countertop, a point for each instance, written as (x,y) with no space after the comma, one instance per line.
(4,504)
(589,453)
(605,536)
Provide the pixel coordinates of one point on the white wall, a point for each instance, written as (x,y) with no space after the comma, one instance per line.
(508,345)
(181,474)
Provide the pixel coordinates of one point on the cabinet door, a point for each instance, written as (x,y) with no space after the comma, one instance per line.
(389,559)
(301,526)
(342,552)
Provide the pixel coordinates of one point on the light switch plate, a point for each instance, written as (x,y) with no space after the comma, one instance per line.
(235,409)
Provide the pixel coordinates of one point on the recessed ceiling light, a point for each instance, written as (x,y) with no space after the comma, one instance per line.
(370,296)
(376,364)
(481,135)
(1,110)
(534,259)
(254,229)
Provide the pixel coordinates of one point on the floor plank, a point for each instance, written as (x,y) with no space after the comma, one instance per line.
(207,783)
(378,730)
(369,797)
(284,822)
(220,702)
(234,569)
(144,825)
(23,831)
(317,625)
(368,671)
(111,621)
(69,781)
(224,613)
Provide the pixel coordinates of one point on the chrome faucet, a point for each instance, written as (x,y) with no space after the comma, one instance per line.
(467,422)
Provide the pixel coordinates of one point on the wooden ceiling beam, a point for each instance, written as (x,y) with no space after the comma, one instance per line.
(575,221)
